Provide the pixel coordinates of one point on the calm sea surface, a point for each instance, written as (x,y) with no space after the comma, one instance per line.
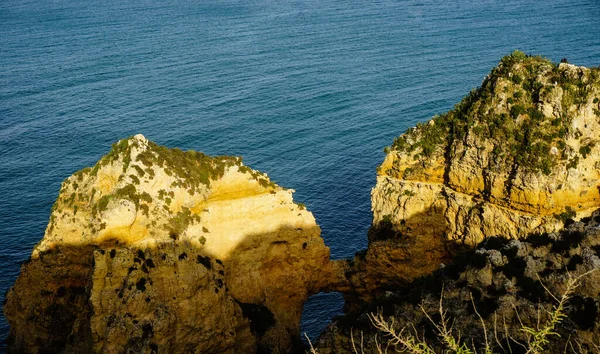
(307,91)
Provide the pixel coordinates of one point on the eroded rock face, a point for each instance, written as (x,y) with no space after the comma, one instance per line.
(511,284)
(515,153)
(159,250)
(517,158)
(519,155)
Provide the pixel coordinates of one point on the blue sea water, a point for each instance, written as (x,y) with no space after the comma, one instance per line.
(307,91)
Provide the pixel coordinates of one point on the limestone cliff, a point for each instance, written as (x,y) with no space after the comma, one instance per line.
(518,155)
(515,153)
(160,250)
(512,156)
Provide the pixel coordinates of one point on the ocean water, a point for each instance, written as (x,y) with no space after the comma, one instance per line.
(308,91)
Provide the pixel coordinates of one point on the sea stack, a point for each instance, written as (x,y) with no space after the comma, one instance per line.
(166,251)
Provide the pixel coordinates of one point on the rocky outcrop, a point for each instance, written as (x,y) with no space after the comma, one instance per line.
(519,155)
(511,157)
(508,168)
(489,296)
(160,250)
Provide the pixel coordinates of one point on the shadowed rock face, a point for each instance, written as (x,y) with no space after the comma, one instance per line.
(509,283)
(159,250)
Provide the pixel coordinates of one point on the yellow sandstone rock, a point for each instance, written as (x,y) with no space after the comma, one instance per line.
(509,160)
(160,250)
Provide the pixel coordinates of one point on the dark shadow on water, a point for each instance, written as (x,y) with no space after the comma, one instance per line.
(318,312)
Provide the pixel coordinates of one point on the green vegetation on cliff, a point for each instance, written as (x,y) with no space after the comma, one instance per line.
(507,111)
(134,162)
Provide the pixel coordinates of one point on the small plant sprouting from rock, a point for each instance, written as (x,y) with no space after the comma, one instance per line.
(262,178)
(179,223)
(566,215)
(586,149)
(387,219)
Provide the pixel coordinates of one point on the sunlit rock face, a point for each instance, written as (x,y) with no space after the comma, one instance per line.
(160,250)
(518,155)
(509,159)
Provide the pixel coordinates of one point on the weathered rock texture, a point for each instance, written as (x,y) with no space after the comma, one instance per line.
(513,154)
(518,155)
(159,250)
(509,283)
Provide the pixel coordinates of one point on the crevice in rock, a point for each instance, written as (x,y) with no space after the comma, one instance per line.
(260,317)
(448,155)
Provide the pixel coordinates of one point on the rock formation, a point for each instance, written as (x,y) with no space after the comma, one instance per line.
(511,284)
(518,155)
(514,154)
(160,250)
(517,158)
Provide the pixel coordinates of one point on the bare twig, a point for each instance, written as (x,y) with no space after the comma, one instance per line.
(312,349)
(496,332)
(485,333)
(354,344)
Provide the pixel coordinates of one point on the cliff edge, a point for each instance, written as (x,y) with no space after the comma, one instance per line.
(160,250)
(518,155)
(475,224)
